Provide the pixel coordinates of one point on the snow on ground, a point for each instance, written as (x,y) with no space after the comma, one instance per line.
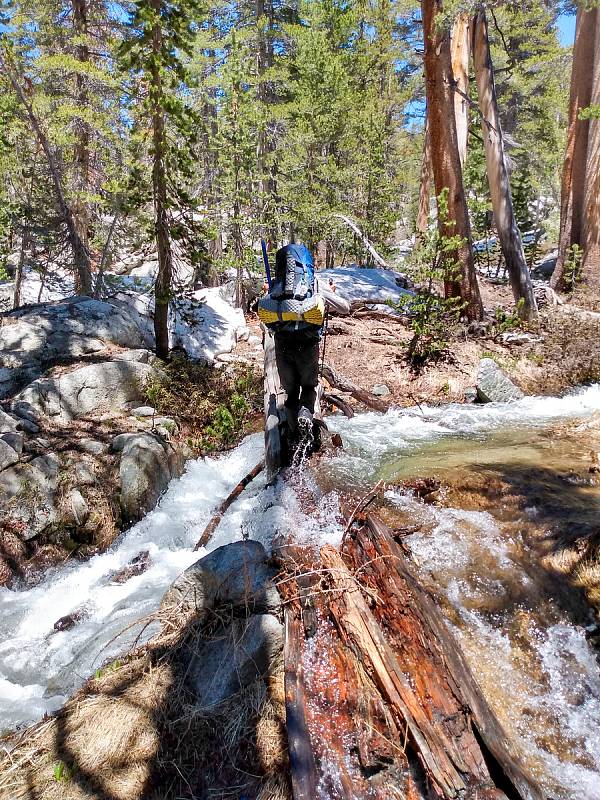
(366,283)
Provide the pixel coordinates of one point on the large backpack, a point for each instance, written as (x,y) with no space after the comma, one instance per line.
(292,306)
(294,273)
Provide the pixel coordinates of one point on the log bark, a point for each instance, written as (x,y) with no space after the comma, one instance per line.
(338,381)
(233,495)
(445,160)
(389,573)
(338,402)
(497,172)
(574,170)
(459,51)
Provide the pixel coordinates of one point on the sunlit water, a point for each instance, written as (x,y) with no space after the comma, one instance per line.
(528,650)
(523,635)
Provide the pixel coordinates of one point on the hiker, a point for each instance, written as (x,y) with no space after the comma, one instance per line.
(295,311)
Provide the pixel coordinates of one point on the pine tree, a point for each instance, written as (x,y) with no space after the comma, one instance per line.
(160,34)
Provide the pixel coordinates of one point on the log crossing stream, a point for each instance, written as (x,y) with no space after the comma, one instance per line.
(474,544)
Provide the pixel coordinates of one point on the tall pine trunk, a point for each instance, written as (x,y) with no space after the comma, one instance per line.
(162,288)
(425,183)
(81,154)
(445,159)
(575,164)
(460,71)
(590,265)
(497,172)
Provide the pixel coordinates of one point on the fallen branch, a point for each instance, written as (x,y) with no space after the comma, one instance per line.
(342,383)
(344,407)
(218,516)
(368,246)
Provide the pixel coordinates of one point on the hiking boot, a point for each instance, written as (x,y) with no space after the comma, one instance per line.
(305,422)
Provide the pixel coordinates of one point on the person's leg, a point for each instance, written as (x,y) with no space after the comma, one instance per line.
(308,368)
(290,379)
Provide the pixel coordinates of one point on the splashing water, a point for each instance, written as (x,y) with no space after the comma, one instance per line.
(40,667)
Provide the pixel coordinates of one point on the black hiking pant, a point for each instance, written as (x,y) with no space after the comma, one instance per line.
(297,360)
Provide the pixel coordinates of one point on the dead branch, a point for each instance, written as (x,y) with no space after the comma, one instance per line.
(342,383)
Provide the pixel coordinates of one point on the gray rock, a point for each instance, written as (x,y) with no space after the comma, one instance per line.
(77,506)
(380,390)
(141,356)
(143,411)
(220,668)
(242,334)
(24,410)
(34,337)
(83,474)
(493,386)
(92,446)
(87,390)
(236,574)
(120,440)
(470,394)
(8,455)
(27,493)
(8,424)
(148,463)
(15,440)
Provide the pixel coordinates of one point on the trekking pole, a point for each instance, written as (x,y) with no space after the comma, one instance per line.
(263,245)
(324,340)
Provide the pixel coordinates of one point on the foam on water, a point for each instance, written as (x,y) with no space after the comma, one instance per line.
(40,667)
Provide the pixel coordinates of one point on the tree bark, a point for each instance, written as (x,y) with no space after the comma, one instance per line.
(504,217)
(81,153)
(445,159)
(460,70)
(81,256)
(574,170)
(590,265)
(162,288)
(425,183)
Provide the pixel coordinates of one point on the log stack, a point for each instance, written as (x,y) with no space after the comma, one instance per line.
(380,702)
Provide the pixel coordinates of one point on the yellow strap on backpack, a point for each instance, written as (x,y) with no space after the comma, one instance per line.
(311,310)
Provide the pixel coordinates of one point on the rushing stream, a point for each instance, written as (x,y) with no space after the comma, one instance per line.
(475,547)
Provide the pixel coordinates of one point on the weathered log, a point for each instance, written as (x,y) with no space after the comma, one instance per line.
(338,402)
(388,571)
(218,515)
(345,385)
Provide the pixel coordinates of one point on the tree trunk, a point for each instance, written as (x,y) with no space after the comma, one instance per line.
(81,154)
(460,71)
(590,265)
(445,159)
(425,183)
(504,217)
(162,288)
(81,256)
(20,266)
(574,170)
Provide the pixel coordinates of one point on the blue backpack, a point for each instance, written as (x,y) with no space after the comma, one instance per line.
(294,273)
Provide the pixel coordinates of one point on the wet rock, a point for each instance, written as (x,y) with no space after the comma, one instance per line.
(136,566)
(380,390)
(470,394)
(15,440)
(425,488)
(493,386)
(8,455)
(70,620)
(148,463)
(236,574)
(336,440)
(220,668)
(90,389)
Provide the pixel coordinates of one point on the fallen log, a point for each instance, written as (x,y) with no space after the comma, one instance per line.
(338,381)
(218,515)
(338,402)
(387,570)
